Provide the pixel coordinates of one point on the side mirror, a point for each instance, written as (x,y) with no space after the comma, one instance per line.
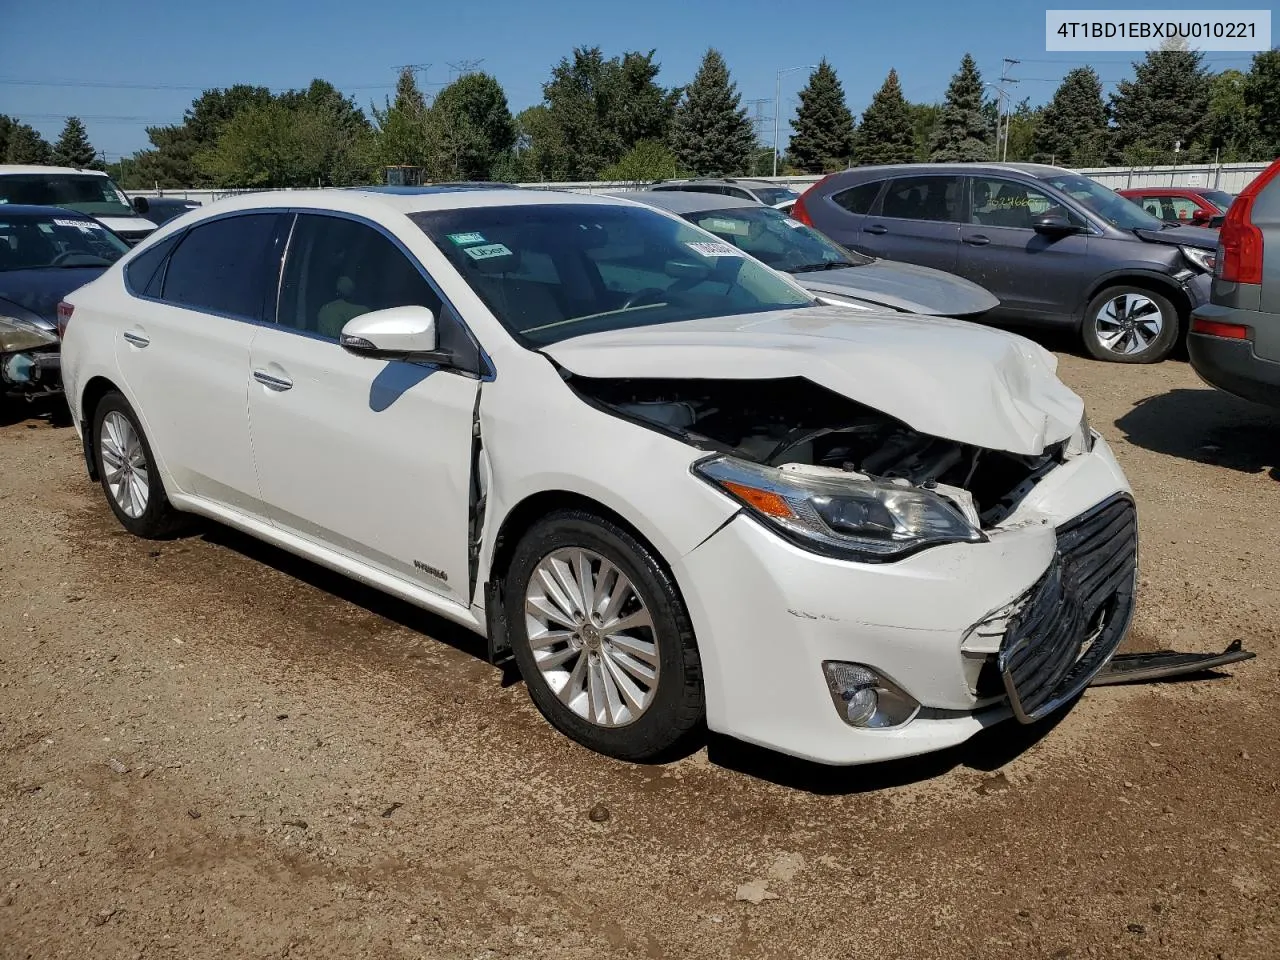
(1054,224)
(397,333)
(1201,217)
(141,204)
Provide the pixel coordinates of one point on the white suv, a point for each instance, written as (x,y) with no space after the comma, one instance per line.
(85,191)
(667,480)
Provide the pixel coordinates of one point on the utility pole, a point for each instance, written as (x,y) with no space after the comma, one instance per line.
(757,125)
(464,67)
(415,69)
(777,106)
(1004,78)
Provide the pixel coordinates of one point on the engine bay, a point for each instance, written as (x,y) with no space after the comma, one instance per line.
(793,420)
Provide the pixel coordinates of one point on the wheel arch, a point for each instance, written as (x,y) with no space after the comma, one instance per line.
(1155,282)
(94,390)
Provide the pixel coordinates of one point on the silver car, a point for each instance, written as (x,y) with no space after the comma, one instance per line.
(819,264)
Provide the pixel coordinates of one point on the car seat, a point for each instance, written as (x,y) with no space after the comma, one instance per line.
(334,315)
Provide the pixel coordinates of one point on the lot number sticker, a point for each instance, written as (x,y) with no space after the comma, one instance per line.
(708,249)
(83,225)
(488,251)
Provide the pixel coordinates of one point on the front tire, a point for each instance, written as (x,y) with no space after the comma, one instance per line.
(127,471)
(602,638)
(1127,324)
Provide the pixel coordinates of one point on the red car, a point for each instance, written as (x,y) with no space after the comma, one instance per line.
(1194,206)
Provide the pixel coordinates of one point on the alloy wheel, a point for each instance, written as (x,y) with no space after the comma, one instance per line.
(124,464)
(1128,323)
(592,636)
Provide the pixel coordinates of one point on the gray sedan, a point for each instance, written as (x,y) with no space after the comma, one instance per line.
(819,264)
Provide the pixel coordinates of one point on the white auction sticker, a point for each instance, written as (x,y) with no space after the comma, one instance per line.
(85,225)
(1137,30)
(707,249)
(793,224)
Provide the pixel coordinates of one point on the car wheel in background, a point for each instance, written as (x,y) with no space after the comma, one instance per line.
(127,471)
(602,638)
(1125,324)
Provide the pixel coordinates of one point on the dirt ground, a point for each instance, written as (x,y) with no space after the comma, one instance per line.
(210,749)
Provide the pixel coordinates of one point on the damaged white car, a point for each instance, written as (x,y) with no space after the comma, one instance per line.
(667,480)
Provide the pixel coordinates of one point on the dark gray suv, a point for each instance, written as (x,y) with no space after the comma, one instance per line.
(1235,339)
(1057,248)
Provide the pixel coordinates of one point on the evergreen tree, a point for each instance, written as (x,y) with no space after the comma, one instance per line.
(962,132)
(886,134)
(1024,123)
(924,119)
(711,134)
(73,148)
(1262,99)
(20,143)
(402,136)
(822,134)
(1230,128)
(1165,102)
(1073,130)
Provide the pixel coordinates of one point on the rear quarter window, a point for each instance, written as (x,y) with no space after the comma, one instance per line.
(142,269)
(860,198)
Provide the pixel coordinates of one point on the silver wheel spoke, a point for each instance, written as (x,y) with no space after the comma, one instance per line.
(591,636)
(1128,323)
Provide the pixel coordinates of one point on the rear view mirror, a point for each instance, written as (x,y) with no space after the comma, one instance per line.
(397,333)
(141,204)
(1054,224)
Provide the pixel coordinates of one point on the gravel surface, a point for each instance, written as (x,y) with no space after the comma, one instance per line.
(210,749)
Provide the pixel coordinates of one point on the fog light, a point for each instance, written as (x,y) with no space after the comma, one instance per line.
(864,698)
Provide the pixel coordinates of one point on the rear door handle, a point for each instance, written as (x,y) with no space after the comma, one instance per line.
(977,240)
(136,339)
(877,229)
(272,383)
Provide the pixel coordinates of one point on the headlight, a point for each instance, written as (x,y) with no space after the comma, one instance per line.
(855,519)
(1200,259)
(1082,440)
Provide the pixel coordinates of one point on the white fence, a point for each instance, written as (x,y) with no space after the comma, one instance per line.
(1231,177)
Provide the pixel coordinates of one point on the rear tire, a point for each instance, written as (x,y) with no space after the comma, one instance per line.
(127,471)
(634,693)
(1128,324)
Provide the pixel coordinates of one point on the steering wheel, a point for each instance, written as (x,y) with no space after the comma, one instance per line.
(646,295)
(65,255)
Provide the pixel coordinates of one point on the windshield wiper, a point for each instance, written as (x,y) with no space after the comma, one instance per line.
(824,265)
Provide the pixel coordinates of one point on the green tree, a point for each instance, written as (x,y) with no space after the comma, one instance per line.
(924,119)
(1262,99)
(647,161)
(538,146)
(402,136)
(1166,102)
(21,143)
(1023,125)
(642,109)
(886,133)
(962,132)
(73,148)
(711,133)
(475,125)
(1073,130)
(1230,128)
(822,132)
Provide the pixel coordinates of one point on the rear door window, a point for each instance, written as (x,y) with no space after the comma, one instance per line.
(860,198)
(937,198)
(223,266)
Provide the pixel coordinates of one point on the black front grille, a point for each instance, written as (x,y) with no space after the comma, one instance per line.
(1076,615)
(132,237)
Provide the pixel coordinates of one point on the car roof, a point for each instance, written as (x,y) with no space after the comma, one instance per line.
(902,169)
(685,201)
(429,188)
(14,168)
(738,181)
(41,210)
(1169,191)
(411,200)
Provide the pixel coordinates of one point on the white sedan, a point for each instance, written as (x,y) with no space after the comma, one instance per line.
(675,486)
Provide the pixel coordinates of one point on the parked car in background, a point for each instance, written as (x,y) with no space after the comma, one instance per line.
(818,264)
(84,191)
(660,475)
(163,209)
(1056,248)
(1184,206)
(45,253)
(761,191)
(1235,338)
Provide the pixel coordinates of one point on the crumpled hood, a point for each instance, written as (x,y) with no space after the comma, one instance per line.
(947,378)
(903,286)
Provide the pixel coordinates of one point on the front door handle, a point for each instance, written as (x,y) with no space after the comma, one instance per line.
(136,339)
(877,229)
(272,382)
(977,240)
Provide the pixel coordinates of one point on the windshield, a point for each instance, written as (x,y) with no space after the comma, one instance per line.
(1219,198)
(772,196)
(551,272)
(82,192)
(34,242)
(776,239)
(1107,204)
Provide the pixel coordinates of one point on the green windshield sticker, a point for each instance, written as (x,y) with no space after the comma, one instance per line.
(487,251)
(464,238)
(721,225)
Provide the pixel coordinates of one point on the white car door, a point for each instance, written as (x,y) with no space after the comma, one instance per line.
(368,457)
(183,348)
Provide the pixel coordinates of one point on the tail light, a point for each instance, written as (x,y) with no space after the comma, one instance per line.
(64,317)
(1239,241)
(800,211)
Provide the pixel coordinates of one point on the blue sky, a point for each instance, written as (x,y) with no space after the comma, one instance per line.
(128,63)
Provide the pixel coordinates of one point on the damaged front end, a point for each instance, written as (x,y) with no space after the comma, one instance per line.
(30,361)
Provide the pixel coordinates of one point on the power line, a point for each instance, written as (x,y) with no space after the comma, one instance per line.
(464,67)
(128,85)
